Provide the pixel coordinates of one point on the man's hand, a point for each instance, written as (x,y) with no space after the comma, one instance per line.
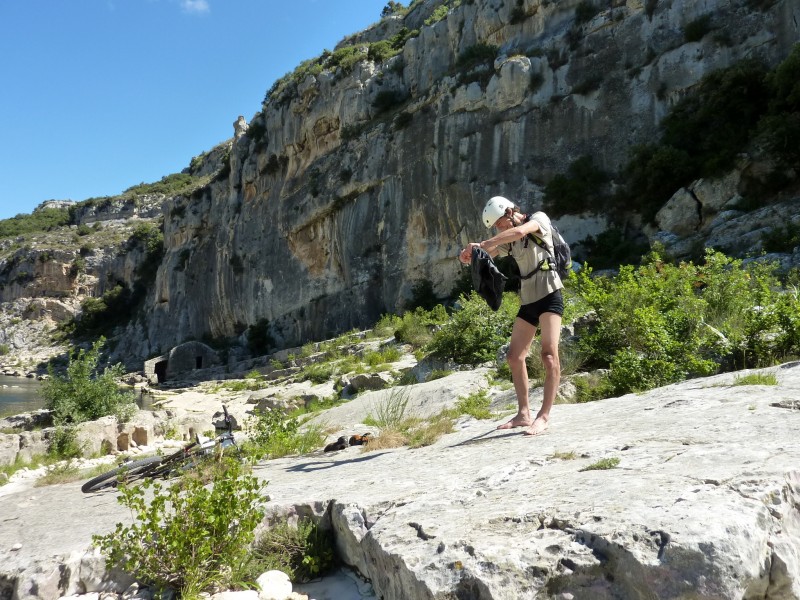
(465,256)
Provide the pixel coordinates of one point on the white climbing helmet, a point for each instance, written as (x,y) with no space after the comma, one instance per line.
(494,209)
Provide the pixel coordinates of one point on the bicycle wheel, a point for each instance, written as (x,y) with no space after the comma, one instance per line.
(130,471)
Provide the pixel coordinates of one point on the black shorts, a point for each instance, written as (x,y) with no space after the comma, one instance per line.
(552,303)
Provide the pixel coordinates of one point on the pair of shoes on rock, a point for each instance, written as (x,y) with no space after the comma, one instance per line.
(339,444)
(360,440)
(355,440)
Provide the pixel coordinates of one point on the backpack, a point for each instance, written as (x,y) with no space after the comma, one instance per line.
(561,259)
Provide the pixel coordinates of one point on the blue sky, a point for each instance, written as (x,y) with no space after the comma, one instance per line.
(100,95)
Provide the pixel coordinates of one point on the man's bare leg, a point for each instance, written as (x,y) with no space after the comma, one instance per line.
(521,337)
(551,332)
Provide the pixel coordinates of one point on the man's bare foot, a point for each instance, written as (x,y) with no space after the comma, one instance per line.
(517,421)
(539,425)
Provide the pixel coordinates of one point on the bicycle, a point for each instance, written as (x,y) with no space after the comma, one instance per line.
(164,466)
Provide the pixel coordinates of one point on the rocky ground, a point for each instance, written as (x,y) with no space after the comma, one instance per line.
(691,490)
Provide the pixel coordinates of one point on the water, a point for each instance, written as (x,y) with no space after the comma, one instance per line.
(19,395)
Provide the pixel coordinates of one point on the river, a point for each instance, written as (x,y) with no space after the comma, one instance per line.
(19,395)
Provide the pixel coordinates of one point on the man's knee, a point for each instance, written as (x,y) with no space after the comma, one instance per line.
(551,361)
(515,359)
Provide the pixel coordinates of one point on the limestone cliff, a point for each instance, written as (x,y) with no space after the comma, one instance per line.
(334,204)
(363,175)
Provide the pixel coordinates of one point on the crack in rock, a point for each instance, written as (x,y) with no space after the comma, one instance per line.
(421,532)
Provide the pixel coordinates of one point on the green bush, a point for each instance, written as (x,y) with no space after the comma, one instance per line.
(346,57)
(779,131)
(653,174)
(388,99)
(101,315)
(303,552)
(714,123)
(150,238)
(188,537)
(271,434)
(581,188)
(704,132)
(259,338)
(782,239)
(477,54)
(476,405)
(437,15)
(64,443)
(474,333)
(169,185)
(661,323)
(39,220)
(613,248)
(423,296)
(84,393)
(416,327)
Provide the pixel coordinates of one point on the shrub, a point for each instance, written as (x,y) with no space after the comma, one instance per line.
(474,333)
(150,239)
(346,57)
(423,296)
(271,434)
(390,412)
(188,537)
(64,443)
(476,405)
(437,15)
(602,464)
(581,188)
(381,51)
(77,267)
(477,54)
(85,393)
(392,8)
(713,124)
(303,552)
(259,338)
(653,174)
(169,185)
(416,327)
(613,248)
(101,315)
(39,220)
(388,99)
(662,323)
(756,379)
(782,239)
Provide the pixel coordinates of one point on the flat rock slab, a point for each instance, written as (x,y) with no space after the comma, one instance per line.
(702,503)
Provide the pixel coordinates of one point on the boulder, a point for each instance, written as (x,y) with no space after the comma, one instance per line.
(273,585)
(97,437)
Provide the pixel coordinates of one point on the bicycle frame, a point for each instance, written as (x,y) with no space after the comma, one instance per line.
(165,466)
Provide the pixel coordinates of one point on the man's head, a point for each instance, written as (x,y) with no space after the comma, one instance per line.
(495,208)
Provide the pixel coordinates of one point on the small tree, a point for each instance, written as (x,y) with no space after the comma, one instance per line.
(188,537)
(84,393)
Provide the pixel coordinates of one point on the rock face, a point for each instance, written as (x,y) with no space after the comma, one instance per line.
(699,498)
(349,189)
(353,185)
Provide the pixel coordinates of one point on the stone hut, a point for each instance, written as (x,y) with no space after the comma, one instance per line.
(179,361)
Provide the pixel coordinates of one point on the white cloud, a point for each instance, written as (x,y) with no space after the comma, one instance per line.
(195,6)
